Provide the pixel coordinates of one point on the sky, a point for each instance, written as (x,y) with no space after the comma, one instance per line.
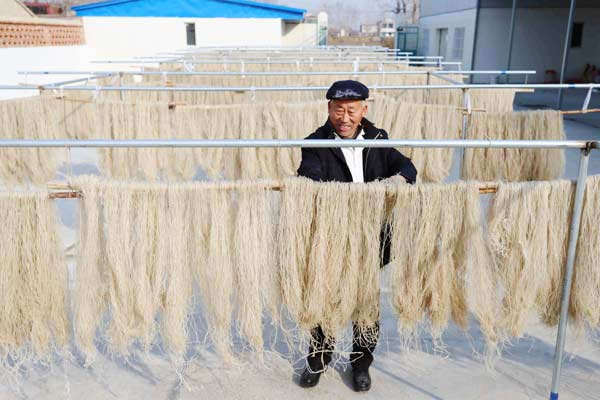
(353,12)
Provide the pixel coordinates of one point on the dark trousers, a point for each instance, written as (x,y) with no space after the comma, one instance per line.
(364,341)
(363,345)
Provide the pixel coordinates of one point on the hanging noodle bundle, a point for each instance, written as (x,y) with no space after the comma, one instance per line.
(145,264)
(145,248)
(435,233)
(515,164)
(255,264)
(329,253)
(127,121)
(27,119)
(138,266)
(109,259)
(103,119)
(423,122)
(255,121)
(208,122)
(490,100)
(585,298)
(33,287)
(216,274)
(528,233)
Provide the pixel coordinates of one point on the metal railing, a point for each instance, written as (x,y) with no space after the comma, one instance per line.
(589,86)
(275,73)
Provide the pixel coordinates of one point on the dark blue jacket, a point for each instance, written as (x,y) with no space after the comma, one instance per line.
(329,164)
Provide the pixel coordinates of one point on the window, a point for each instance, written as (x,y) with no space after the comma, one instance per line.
(458,43)
(577,34)
(425,42)
(190,32)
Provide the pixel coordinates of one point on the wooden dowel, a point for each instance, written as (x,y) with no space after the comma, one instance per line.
(64,191)
(591,110)
(65,195)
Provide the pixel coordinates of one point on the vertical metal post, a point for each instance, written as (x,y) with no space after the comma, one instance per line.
(511,35)
(475,35)
(173,120)
(120,85)
(465,124)
(568,279)
(565,57)
(428,92)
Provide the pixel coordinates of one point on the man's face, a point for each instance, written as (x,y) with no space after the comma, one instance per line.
(345,116)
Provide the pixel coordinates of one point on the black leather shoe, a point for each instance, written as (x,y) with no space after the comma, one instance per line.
(361,380)
(309,379)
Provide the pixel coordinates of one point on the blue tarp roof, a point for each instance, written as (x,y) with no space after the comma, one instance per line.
(188,9)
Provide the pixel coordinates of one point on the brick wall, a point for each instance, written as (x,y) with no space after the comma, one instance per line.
(29,34)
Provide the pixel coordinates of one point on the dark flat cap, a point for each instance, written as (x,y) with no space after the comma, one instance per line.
(347,90)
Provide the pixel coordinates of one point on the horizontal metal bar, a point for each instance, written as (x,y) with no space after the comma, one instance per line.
(299,88)
(71,81)
(300,56)
(366,50)
(285,49)
(524,144)
(277,73)
(302,62)
(282,48)
(445,78)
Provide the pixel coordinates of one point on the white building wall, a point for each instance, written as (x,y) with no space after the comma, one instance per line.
(125,37)
(16,59)
(437,7)
(538,40)
(433,24)
(301,34)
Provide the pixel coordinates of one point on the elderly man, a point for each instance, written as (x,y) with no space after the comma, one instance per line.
(347,110)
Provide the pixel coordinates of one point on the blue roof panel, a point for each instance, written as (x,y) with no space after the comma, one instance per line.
(188,9)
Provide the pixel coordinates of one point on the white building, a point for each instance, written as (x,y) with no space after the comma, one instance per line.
(29,42)
(120,28)
(477,33)
(369,29)
(386,27)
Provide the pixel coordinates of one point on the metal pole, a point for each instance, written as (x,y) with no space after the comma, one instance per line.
(314,143)
(465,124)
(78,80)
(402,62)
(563,66)
(567,282)
(428,93)
(475,36)
(278,73)
(298,88)
(121,95)
(511,35)
(450,80)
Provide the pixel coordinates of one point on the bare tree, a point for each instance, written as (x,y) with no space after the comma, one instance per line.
(341,14)
(400,8)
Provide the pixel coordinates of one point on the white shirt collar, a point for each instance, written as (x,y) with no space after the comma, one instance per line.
(361,135)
